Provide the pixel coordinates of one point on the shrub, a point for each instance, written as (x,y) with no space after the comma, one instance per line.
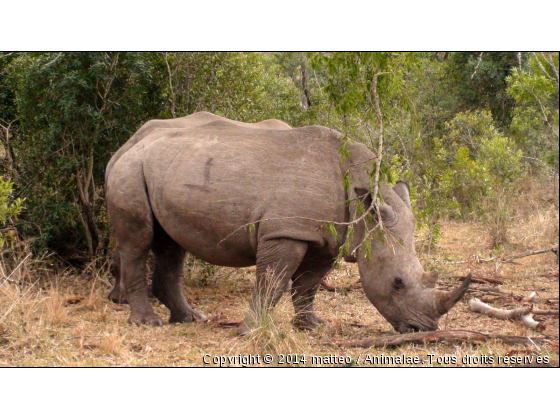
(9,210)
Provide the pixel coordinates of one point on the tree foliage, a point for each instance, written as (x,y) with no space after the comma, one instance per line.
(462,128)
(535,119)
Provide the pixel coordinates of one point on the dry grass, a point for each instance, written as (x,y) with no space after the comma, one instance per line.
(53,318)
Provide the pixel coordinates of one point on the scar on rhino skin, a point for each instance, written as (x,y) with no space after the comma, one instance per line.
(207,168)
(205,188)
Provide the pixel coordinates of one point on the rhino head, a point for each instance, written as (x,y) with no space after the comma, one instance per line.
(392,276)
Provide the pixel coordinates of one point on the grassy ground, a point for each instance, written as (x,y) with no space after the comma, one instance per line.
(64,319)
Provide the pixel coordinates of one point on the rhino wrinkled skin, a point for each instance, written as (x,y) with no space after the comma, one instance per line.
(190,184)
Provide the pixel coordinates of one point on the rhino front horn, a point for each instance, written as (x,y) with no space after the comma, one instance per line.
(446,300)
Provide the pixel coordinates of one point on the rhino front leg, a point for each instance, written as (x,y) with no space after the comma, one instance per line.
(304,288)
(277,261)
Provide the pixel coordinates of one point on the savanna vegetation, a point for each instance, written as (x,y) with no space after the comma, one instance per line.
(475,134)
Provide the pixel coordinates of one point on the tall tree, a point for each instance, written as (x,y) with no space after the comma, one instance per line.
(478,79)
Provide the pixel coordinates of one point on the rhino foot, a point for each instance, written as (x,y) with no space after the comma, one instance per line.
(117,295)
(150,319)
(307,322)
(186,318)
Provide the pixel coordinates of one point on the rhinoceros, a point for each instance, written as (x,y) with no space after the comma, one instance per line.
(118,294)
(239,195)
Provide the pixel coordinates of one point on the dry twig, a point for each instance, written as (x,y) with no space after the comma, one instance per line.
(480,279)
(434,337)
(545,312)
(347,288)
(507,259)
(528,299)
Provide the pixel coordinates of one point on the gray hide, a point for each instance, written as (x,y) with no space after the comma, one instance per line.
(194,187)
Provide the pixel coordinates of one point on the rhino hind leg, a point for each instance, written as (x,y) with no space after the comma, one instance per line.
(167,281)
(277,261)
(133,267)
(117,294)
(304,288)
(131,215)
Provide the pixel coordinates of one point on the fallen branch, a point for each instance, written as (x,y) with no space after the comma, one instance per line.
(529,254)
(479,279)
(494,291)
(347,288)
(528,299)
(507,259)
(435,337)
(531,323)
(526,254)
(228,324)
(477,306)
(221,321)
(545,311)
(487,289)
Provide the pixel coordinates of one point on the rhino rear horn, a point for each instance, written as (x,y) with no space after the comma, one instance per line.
(429,280)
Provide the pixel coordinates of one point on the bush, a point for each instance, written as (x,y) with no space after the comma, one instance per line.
(9,210)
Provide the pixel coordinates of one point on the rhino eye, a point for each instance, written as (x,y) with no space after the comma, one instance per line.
(398,283)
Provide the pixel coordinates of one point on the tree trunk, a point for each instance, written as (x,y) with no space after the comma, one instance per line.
(86,210)
(305,88)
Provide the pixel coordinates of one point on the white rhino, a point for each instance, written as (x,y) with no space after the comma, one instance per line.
(192,184)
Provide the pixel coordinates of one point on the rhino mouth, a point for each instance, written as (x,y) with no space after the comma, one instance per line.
(406,328)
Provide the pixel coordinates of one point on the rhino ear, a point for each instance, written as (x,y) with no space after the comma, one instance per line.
(387,212)
(364,196)
(402,190)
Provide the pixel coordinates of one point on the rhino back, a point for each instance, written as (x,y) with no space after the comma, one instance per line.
(189,121)
(206,182)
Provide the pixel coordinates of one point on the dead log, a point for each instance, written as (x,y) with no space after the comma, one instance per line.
(448,336)
(529,322)
(477,306)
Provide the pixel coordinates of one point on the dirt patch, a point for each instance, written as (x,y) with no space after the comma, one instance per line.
(65,319)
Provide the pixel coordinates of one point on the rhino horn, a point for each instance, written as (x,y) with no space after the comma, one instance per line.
(429,280)
(446,300)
